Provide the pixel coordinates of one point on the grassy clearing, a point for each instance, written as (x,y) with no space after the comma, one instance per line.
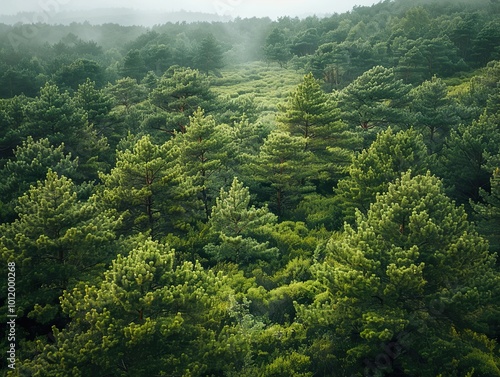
(269,85)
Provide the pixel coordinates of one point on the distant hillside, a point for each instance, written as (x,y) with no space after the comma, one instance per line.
(122,16)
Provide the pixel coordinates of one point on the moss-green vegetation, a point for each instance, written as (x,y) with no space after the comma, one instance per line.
(314,197)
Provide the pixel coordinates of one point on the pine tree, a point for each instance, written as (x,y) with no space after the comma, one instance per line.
(277,48)
(11,119)
(56,241)
(96,104)
(311,114)
(466,154)
(209,55)
(413,273)
(149,187)
(32,160)
(126,92)
(133,65)
(435,113)
(236,224)
(148,316)
(53,115)
(283,169)
(180,92)
(371,171)
(203,154)
(488,212)
(375,99)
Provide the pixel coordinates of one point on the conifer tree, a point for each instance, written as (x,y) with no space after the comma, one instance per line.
(277,47)
(148,316)
(56,241)
(95,103)
(180,92)
(435,113)
(203,154)
(236,224)
(375,99)
(466,154)
(209,55)
(283,169)
(31,162)
(12,116)
(371,171)
(53,115)
(149,187)
(488,211)
(126,92)
(413,273)
(311,114)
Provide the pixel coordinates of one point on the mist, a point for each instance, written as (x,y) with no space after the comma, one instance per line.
(221,8)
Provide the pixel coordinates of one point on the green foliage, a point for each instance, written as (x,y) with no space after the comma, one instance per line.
(236,224)
(276,48)
(466,155)
(75,74)
(32,160)
(203,151)
(376,99)
(311,114)
(376,167)
(283,168)
(411,271)
(133,66)
(95,103)
(209,55)
(56,241)
(488,211)
(180,92)
(126,92)
(148,164)
(434,112)
(53,115)
(149,188)
(148,316)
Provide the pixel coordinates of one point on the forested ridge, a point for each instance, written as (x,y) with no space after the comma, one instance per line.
(299,197)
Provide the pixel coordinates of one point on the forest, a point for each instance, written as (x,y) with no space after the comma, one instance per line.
(285,198)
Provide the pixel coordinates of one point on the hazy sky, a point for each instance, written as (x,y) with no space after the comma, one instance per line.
(242,8)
